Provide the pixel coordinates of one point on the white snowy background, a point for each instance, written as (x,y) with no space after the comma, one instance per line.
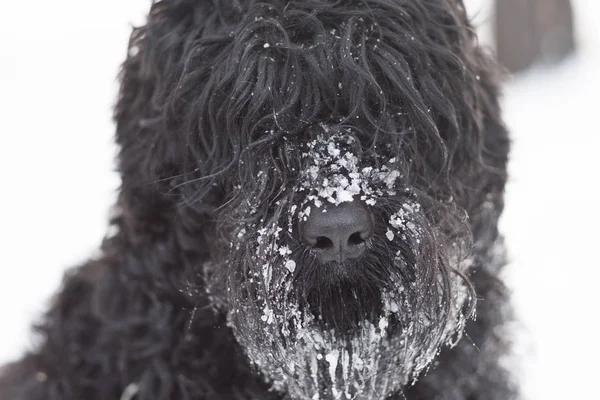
(58,63)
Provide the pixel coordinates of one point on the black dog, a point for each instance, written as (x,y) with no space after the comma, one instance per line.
(308,210)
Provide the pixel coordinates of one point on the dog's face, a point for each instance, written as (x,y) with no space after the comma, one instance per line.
(340,245)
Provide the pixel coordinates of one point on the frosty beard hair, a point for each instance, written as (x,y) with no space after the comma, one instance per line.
(361,329)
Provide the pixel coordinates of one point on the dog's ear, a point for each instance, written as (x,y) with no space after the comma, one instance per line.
(151,133)
(170,149)
(153,159)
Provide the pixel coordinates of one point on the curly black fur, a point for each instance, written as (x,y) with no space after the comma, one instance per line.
(224,107)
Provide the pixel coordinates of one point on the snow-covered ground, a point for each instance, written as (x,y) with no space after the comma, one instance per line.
(552,221)
(58,65)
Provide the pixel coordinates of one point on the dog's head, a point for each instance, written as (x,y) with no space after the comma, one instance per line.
(329,150)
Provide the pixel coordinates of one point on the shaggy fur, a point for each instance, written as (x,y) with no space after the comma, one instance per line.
(235,119)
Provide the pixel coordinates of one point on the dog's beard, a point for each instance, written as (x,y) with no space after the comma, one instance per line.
(358,329)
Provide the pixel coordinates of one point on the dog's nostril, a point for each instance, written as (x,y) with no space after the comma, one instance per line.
(355,239)
(323,243)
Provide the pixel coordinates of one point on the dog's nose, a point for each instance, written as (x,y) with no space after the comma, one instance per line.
(337,233)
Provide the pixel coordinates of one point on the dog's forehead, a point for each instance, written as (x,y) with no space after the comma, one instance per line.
(294,65)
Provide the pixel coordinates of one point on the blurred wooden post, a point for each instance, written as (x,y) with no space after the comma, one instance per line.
(528,31)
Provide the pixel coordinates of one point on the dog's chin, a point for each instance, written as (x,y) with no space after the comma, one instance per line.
(350,341)
(362,356)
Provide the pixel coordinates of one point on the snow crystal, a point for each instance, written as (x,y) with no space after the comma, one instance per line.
(332,358)
(284,250)
(130,391)
(290,265)
(335,176)
(390,235)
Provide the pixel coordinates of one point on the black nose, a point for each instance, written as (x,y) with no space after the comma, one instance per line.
(337,233)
